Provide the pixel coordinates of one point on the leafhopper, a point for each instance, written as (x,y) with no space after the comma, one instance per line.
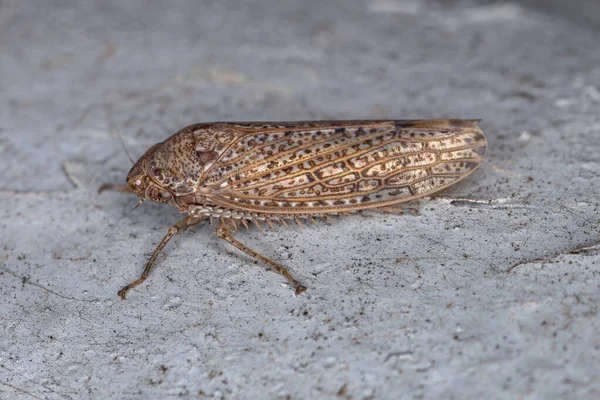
(237,173)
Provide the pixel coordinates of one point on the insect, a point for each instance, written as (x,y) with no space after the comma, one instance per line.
(234,174)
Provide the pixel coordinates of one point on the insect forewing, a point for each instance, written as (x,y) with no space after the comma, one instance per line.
(323,167)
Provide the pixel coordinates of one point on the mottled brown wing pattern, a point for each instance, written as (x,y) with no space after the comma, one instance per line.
(314,168)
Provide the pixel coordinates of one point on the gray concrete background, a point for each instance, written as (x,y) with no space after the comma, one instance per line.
(411,307)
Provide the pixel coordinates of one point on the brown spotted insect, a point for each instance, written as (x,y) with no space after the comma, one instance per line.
(267,172)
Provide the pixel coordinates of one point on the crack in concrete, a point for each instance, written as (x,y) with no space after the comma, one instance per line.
(27,280)
(578,250)
(13,192)
(66,168)
(32,381)
(585,249)
(18,389)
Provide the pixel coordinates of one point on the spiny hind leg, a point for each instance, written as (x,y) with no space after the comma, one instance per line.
(174,230)
(224,231)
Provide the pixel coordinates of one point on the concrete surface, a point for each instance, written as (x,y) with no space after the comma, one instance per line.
(398,307)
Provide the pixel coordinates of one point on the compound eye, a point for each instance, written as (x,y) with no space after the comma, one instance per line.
(156,194)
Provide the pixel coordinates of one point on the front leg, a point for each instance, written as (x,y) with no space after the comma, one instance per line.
(224,232)
(174,230)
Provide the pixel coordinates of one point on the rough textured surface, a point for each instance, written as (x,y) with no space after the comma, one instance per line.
(415,306)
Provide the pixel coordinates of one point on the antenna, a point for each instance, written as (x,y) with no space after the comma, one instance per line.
(123,144)
(130,211)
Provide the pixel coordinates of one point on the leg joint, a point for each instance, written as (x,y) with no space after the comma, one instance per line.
(222,233)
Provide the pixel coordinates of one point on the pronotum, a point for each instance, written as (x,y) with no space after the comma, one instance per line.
(275,172)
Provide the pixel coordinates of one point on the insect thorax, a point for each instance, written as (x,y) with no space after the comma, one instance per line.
(179,162)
